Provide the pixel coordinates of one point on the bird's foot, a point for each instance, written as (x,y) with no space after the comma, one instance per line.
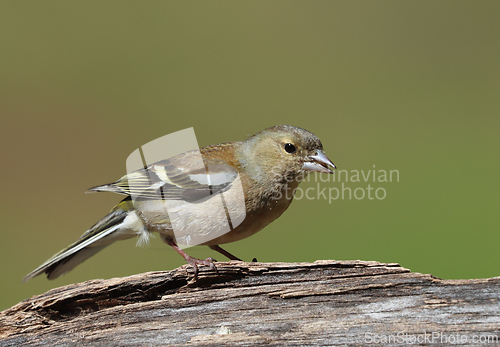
(194,262)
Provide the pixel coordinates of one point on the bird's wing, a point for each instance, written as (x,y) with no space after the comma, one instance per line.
(173,179)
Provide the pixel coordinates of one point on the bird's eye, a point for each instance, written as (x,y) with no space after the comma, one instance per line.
(289,148)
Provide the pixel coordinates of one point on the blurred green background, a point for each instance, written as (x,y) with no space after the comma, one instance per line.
(412,86)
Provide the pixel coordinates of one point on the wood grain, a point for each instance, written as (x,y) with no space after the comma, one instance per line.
(252,304)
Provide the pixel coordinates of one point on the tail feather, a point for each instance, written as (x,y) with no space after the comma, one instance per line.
(107,188)
(69,263)
(102,234)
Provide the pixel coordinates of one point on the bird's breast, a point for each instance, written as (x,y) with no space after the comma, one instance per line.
(259,215)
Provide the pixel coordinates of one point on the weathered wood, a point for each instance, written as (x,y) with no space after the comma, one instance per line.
(251,304)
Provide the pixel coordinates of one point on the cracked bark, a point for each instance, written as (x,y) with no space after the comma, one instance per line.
(320,303)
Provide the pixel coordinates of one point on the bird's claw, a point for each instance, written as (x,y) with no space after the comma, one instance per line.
(194,262)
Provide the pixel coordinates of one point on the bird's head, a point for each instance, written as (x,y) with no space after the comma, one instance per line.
(285,152)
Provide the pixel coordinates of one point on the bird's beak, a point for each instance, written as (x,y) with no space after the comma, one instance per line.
(319,163)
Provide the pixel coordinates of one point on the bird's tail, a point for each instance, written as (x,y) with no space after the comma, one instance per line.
(102,234)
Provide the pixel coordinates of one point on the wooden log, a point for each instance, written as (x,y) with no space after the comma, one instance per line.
(251,304)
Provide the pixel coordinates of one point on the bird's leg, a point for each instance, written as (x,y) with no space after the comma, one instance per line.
(217,248)
(190,260)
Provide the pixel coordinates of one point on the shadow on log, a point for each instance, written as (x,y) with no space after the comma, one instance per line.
(252,304)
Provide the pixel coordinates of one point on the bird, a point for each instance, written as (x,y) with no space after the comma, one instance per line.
(237,190)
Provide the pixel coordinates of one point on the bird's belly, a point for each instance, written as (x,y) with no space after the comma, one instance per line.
(253,222)
(196,223)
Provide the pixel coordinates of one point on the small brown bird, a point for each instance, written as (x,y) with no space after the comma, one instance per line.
(253,180)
